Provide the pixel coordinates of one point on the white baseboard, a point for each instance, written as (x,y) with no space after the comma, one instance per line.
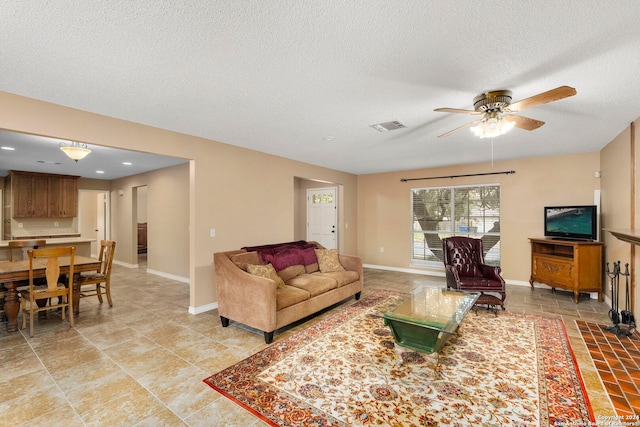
(156,272)
(124,264)
(203,308)
(593,295)
(405,270)
(169,276)
(192,310)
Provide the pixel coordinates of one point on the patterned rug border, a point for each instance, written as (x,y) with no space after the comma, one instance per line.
(283,348)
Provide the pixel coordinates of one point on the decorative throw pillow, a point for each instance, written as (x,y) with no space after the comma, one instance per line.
(267,271)
(243,259)
(328,260)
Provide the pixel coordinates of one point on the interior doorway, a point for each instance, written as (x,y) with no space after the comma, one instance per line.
(93,217)
(141,225)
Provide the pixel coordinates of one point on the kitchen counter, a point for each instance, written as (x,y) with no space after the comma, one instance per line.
(83,245)
(53,241)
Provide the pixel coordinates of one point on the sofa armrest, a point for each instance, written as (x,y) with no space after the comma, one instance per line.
(242,296)
(352,263)
(452,276)
(491,272)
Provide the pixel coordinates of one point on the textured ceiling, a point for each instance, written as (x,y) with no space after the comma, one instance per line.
(305,79)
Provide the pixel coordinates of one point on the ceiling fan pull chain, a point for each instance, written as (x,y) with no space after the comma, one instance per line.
(491,151)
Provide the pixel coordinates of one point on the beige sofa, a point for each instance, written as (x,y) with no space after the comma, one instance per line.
(306,288)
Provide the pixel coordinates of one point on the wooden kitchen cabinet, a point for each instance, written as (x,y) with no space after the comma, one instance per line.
(63,197)
(29,194)
(39,195)
(569,265)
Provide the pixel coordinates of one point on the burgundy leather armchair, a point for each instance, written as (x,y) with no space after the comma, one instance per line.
(465,268)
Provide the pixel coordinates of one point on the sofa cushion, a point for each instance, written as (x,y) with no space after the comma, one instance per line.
(244,258)
(328,260)
(267,271)
(341,277)
(288,295)
(476,283)
(313,284)
(312,268)
(291,272)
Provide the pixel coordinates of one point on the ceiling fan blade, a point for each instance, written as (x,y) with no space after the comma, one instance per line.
(541,98)
(459,128)
(524,122)
(456,110)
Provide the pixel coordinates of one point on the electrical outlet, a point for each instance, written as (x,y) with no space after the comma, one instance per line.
(212,232)
(55,224)
(19,225)
(381,250)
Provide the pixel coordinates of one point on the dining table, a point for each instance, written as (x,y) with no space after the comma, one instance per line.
(12,273)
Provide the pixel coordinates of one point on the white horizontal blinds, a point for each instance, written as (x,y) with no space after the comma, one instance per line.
(431,210)
(454,211)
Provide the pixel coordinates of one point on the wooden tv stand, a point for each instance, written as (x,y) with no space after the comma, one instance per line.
(571,265)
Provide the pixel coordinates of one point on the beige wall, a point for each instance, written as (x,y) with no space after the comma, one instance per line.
(166,195)
(618,207)
(88,217)
(252,198)
(247,196)
(384,205)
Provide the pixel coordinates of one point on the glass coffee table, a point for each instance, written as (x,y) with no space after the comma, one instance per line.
(424,320)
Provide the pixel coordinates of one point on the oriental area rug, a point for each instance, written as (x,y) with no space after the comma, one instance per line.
(497,370)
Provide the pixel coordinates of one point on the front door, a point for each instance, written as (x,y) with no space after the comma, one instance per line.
(322,216)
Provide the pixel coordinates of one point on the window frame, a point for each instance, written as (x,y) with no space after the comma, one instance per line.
(495,256)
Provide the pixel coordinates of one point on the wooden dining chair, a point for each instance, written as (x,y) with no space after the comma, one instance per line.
(24,246)
(53,287)
(101,279)
(3,295)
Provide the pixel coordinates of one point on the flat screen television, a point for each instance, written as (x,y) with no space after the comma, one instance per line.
(571,222)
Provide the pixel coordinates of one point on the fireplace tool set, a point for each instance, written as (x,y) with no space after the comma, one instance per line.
(625,316)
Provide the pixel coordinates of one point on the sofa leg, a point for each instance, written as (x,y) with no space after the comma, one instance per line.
(224,321)
(358,296)
(268,337)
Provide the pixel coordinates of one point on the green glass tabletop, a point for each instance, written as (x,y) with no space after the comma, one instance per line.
(424,319)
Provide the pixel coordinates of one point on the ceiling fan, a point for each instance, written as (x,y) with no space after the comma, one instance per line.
(497,111)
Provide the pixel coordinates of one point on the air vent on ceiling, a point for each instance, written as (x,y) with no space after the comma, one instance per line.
(385,127)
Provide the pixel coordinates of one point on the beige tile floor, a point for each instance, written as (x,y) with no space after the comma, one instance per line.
(142,362)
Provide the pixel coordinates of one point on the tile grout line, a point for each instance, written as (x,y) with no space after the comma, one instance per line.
(64,395)
(129,374)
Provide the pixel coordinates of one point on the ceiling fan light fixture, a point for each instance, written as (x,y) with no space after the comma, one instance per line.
(492,126)
(75,150)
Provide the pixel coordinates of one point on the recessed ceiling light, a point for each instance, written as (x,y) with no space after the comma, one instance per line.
(99,171)
(127,163)
(48,162)
(8,148)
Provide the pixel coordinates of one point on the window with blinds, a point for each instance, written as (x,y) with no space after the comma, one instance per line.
(454,211)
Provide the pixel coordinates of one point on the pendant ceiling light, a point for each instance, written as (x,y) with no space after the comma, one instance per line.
(75,150)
